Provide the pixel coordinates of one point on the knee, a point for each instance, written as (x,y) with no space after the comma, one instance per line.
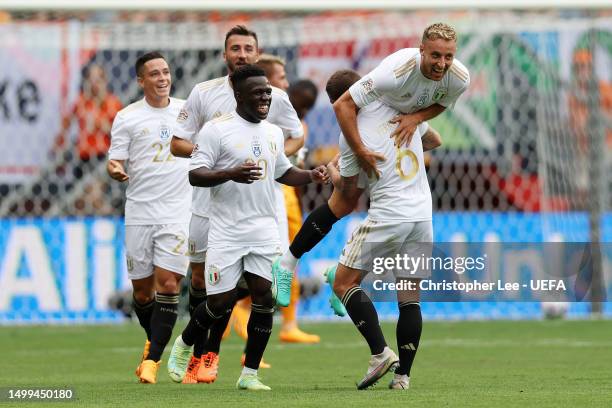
(221,304)
(342,204)
(340,288)
(169,285)
(261,293)
(263,298)
(197,279)
(343,283)
(142,297)
(345,209)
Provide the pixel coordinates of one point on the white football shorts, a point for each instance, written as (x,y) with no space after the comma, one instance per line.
(164,246)
(374,241)
(198,238)
(225,266)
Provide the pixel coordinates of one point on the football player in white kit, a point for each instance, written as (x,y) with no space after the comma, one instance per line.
(399,216)
(209,100)
(419,83)
(157,205)
(392,204)
(240,157)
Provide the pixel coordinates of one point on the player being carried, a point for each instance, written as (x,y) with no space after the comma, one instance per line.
(419,83)
(157,205)
(240,156)
(209,100)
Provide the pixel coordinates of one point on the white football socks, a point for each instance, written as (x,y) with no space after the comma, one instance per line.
(288,261)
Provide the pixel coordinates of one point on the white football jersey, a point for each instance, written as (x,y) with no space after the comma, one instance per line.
(212,99)
(398,82)
(158,190)
(242,214)
(402,192)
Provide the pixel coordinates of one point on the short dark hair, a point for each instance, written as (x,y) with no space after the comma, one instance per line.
(243,72)
(303,95)
(303,85)
(240,30)
(340,82)
(143,59)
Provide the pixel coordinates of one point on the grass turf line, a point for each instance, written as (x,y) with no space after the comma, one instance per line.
(471,364)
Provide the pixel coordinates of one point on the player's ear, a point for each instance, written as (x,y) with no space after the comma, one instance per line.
(140,81)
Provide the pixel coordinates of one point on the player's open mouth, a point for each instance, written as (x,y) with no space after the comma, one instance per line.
(263,108)
(163,87)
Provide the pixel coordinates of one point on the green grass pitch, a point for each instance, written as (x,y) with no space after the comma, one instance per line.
(459,364)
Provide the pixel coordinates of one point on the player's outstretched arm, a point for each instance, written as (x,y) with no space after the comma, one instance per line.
(408,122)
(346,113)
(181,147)
(116,170)
(431,139)
(245,173)
(299,177)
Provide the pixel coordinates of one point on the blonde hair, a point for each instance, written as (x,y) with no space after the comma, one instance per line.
(267,61)
(439,30)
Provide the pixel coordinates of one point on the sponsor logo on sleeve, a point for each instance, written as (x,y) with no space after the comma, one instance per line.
(368,85)
(182,116)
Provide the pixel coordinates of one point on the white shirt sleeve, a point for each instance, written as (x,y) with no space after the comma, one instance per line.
(282,162)
(287,118)
(190,120)
(120,140)
(454,93)
(209,148)
(372,86)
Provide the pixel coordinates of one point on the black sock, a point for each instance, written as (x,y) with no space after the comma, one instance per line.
(199,323)
(363,314)
(259,329)
(163,319)
(197,296)
(318,223)
(216,334)
(408,332)
(144,313)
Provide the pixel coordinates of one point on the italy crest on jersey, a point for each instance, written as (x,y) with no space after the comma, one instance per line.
(213,274)
(439,94)
(164,132)
(256,147)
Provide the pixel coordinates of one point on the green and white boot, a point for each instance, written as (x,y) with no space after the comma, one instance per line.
(251,382)
(179,360)
(334,300)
